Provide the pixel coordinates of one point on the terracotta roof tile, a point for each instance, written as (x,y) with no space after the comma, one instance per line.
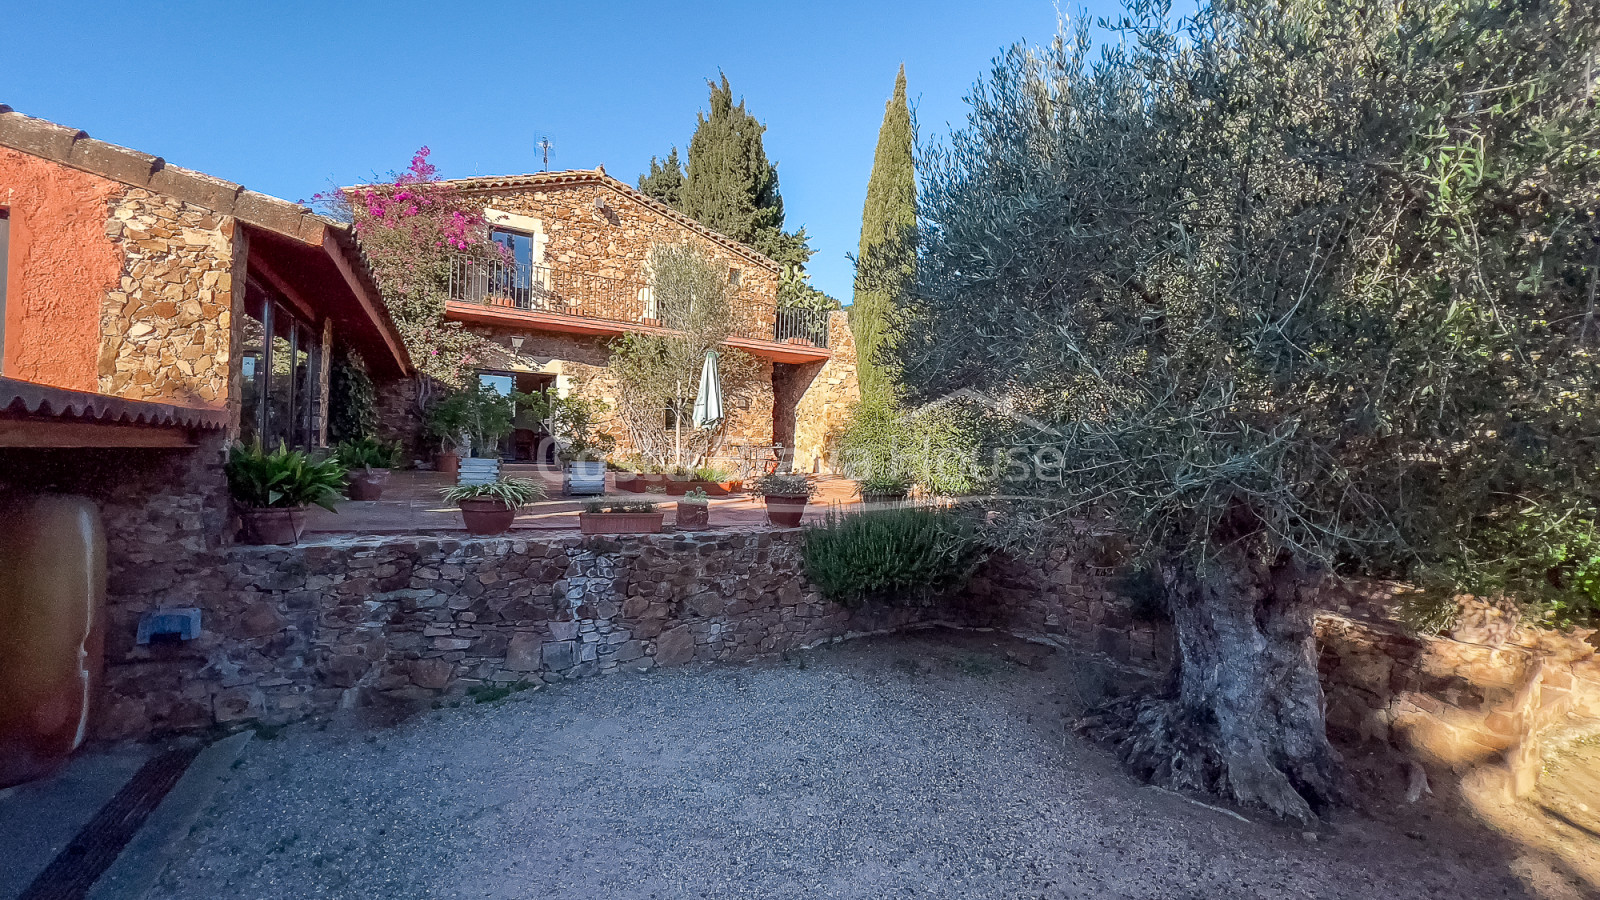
(27,398)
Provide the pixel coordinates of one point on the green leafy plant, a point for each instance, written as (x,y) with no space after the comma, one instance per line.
(513,492)
(620,506)
(885,484)
(907,556)
(695,498)
(368,453)
(710,473)
(445,422)
(574,425)
(779,485)
(283,478)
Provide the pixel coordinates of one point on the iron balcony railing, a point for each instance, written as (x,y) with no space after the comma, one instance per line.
(543,289)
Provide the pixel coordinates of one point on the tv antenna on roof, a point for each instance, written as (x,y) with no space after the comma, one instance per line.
(544,145)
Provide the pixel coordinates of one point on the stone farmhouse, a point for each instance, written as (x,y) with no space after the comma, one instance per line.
(579,242)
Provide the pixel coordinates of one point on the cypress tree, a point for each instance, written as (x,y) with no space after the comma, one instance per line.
(885,263)
(665,180)
(731,187)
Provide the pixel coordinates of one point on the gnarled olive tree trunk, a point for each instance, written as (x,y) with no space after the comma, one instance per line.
(1243,715)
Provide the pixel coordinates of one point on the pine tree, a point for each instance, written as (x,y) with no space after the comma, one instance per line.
(665,180)
(884,265)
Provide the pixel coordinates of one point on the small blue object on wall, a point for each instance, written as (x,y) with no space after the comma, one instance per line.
(164,624)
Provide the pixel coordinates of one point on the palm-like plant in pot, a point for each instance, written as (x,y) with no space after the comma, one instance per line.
(785,496)
(368,461)
(491,508)
(272,490)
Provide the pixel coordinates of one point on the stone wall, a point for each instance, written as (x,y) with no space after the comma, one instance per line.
(594,226)
(1488,694)
(340,622)
(165,328)
(819,398)
(1489,697)
(165,514)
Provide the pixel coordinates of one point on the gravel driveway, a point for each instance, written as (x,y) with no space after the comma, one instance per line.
(923,766)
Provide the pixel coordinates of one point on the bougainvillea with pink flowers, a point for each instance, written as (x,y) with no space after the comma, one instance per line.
(412,228)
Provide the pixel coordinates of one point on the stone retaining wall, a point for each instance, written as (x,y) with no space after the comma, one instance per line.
(297,631)
(1488,695)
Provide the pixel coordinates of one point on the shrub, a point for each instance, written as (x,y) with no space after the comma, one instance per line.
(368,453)
(777,485)
(904,557)
(513,492)
(282,478)
(1546,557)
(934,447)
(885,484)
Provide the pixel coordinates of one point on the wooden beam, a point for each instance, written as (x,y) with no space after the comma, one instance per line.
(258,266)
(71,433)
(376,312)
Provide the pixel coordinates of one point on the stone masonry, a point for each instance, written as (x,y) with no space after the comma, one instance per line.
(165,328)
(298,631)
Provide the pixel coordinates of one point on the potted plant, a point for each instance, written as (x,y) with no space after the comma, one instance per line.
(694,511)
(491,508)
(487,419)
(367,462)
(272,490)
(785,496)
(584,447)
(446,423)
(623,517)
(884,488)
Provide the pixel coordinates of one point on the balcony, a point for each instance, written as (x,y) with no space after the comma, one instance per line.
(549,299)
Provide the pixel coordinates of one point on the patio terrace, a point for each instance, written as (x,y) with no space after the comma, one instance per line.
(412,505)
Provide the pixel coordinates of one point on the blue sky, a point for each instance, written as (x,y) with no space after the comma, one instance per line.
(290,97)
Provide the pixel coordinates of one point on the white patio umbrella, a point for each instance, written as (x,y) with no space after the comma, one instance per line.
(708,403)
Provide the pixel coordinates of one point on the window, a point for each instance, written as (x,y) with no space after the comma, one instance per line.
(280,360)
(734,276)
(5,251)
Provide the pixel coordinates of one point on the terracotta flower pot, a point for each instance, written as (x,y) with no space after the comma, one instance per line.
(447,464)
(693,515)
(620,523)
(366,484)
(486,516)
(627,483)
(278,525)
(785,512)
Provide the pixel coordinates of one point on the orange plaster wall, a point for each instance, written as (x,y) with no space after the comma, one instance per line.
(59,269)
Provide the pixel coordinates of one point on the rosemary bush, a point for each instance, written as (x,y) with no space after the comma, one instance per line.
(907,556)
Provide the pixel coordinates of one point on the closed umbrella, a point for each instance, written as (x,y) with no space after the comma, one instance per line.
(708,403)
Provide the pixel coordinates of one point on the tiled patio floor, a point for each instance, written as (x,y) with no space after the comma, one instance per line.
(411,504)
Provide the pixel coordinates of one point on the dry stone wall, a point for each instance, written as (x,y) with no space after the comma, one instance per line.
(291,632)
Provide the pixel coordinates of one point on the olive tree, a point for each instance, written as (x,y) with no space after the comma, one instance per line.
(658,374)
(1297,286)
